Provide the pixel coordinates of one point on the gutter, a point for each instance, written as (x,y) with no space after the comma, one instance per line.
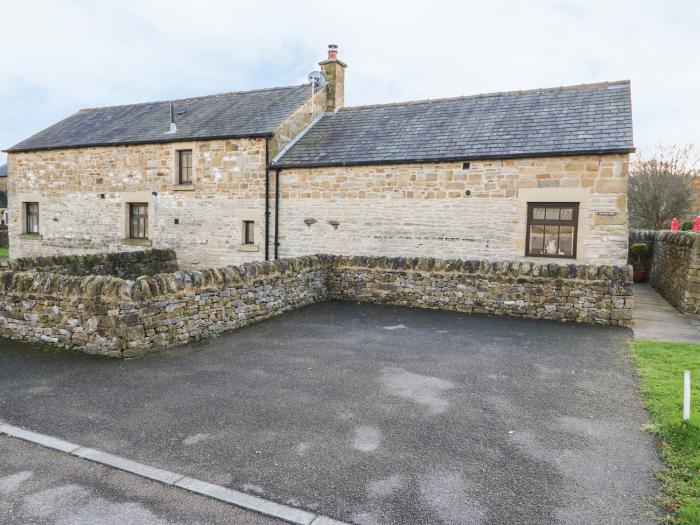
(267,198)
(168,140)
(424,160)
(277,211)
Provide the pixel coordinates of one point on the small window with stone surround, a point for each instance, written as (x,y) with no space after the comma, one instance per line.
(184,167)
(249,232)
(31,218)
(552,229)
(138,220)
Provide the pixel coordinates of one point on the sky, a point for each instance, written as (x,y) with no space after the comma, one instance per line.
(57,56)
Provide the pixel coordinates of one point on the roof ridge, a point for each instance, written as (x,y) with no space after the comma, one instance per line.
(244,92)
(575,87)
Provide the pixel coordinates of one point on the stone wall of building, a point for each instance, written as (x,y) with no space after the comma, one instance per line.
(675,269)
(83,195)
(127,265)
(120,318)
(423,210)
(420,210)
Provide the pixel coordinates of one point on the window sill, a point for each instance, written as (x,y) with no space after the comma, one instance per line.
(560,259)
(31,237)
(137,242)
(247,248)
(183,187)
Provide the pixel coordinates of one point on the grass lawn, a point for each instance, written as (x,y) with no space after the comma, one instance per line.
(661,367)
(4,252)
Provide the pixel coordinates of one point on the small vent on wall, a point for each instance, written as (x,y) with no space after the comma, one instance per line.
(466,165)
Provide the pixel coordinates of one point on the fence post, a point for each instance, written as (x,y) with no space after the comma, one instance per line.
(686,395)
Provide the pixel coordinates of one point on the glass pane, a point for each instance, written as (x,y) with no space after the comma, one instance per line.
(536,239)
(567,214)
(552,214)
(185,166)
(538,213)
(551,240)
(249,232)
(32,217)
(566,241)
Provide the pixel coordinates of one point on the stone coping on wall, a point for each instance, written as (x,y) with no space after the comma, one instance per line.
(121,264)
(488,267)
(146,287)
(681,238)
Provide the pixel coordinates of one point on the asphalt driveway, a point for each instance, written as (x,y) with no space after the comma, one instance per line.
(371,414)
(38,485)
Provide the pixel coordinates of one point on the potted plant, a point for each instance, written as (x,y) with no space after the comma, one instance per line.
(640,260)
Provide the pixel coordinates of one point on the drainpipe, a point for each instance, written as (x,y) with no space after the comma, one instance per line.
(277,209)
(267,198)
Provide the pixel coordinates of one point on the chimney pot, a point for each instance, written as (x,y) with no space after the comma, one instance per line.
(332,52)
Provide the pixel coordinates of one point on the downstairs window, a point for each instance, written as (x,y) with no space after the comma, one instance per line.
(138,220)
(31,214)
(551,229)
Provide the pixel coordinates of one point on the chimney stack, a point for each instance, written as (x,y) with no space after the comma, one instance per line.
(334,71)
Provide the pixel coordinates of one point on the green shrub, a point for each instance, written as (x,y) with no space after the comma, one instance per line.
(640,249)
(640,256)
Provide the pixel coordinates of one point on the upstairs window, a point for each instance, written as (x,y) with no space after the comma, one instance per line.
(551,229)
(31,214)
(184,166)
(138,220)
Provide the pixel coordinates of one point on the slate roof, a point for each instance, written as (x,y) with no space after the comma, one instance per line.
(591,118)
(226,115)
(3,170)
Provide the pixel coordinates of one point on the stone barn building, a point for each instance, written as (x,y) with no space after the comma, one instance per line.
(290,171)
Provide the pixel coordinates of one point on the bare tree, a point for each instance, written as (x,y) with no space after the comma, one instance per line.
(660,186)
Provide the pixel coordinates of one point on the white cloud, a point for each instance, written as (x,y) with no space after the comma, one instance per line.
(59,56)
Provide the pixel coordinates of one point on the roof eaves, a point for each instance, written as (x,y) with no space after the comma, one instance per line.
(15,149)
(463,158)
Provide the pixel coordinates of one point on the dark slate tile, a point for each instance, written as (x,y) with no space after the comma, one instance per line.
(225,115)
(577,119)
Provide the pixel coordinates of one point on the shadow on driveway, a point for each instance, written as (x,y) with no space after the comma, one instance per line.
(372,414)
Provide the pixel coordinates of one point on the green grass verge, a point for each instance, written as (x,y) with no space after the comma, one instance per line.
(4,252)
(661,367)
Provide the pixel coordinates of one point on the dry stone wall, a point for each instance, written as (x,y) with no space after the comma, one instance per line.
(675,269)
(580,293)
(120,318)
